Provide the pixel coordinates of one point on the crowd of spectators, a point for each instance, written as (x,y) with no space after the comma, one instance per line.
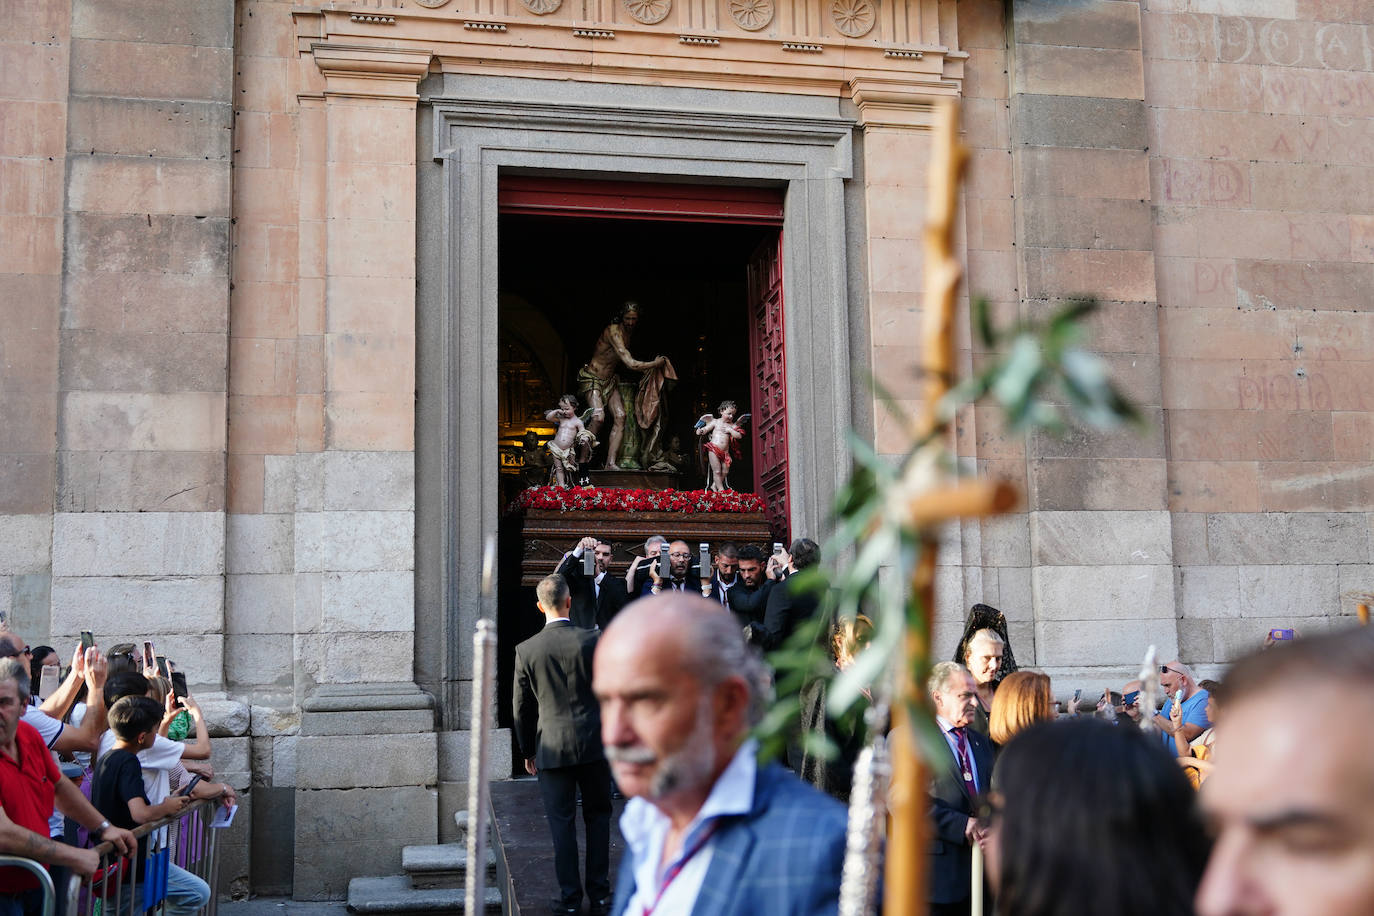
(87,755)
(1077,807)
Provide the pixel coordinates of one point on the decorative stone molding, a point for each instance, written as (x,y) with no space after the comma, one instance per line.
(593,33)
(354,70)
(431,4)
(648,12)
(699,40)
(542,7)
(903,53)
(751,15)
(802,46)
(473,26)
(898,103)
(375,20)
(853,18)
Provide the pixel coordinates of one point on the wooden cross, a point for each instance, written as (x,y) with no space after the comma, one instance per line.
(908,840)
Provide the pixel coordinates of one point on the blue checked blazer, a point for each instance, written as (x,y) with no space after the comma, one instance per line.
(781,859)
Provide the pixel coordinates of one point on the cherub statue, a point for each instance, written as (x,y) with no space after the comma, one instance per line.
(723,445)
(572,434)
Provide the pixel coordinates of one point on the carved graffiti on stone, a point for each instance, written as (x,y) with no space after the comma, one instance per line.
(751,15)
(542,7)
(649,11)
(853,18)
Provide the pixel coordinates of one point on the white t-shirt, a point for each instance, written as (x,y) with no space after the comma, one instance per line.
(156,762)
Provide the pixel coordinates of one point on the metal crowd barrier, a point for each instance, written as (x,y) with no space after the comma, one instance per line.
(184,839)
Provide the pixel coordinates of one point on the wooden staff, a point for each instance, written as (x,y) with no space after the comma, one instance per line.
(905,882)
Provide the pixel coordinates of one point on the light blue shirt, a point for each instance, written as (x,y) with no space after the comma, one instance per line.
(1194,712)
(953,742)
(645,828)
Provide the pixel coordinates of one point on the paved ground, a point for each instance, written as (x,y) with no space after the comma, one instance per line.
(277,906)
(529,850)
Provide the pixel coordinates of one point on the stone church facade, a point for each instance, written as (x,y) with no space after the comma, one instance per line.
(250,300)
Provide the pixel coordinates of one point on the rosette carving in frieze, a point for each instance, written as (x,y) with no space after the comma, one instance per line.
(542,7)
(853,18)
(648,11)
(751,15)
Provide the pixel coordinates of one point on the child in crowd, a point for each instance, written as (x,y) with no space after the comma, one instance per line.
(117,790)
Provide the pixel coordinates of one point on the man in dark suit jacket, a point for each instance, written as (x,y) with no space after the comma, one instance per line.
(558,727)
(787,605)
(957,778)
(597,599)
(683,575)
(679,691)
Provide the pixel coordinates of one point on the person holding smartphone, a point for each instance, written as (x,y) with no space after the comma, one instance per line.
(1177,680)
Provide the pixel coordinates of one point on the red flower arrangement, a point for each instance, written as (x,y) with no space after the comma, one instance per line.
(619,499)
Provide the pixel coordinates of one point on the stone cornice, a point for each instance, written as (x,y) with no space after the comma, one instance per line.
(893,70)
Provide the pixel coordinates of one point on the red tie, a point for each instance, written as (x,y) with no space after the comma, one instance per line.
(966,771)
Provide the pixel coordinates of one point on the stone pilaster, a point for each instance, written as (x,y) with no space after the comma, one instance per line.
(367,754)
(1101,548)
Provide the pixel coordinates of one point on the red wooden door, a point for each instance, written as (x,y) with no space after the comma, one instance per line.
(770,381)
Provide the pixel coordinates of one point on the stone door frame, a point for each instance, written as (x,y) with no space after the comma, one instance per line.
(473,129)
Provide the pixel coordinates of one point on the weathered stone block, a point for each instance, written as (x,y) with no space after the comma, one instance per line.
(284,760)
(225,717)
(1190,538)
(182,22)
(1108,73)
(1096,484)
(1096,24)
(148,127)
(145,605)
(1356,585)
(138,544)
(364,829)
(1086,223)
(115,421)
(1103,642)
(124,184)
(146,302)
(260,603)
(369,480)
(31,603)
(1096,593)
(272,722)
(230,755)
(1127,276)
(1104,538)
(167,243)
(1214,486)
(1096,123)
(27,481)
(1015,593)
(200,657)
(259,660)
(1207,592)
(1288,591)
(1283,538)
(6,600)
(259,544)
(151,71)
(350,658)
(368,602)
(141,482)
(456,746)
(1195,644)
(25,543)
(364,761)
(354,541)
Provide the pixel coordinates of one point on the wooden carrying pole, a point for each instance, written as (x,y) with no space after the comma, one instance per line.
(905,873)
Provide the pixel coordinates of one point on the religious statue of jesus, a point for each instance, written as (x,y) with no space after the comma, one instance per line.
(598,382)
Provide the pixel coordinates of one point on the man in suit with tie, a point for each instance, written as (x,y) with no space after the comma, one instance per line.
(558,727)
(682,575)
(957,779)
(598,598)
(709,831)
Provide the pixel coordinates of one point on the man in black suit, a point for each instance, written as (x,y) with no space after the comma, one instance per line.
(725,574)
(558,727)
(788,606)
(957,778)
(682,575)
(749,596)
(595,599)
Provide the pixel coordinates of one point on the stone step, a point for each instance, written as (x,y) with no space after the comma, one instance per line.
(441,865)
(393,896)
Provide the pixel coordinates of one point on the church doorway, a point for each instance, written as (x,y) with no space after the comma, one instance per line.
(704,265)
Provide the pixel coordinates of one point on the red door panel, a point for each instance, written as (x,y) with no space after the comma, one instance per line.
(770,381)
